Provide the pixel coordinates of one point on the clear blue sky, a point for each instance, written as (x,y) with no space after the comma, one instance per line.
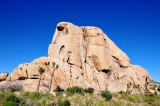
(27,27)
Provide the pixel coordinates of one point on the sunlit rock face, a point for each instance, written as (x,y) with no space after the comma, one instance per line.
(87,58)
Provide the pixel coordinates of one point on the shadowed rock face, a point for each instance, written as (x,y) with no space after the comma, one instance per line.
(86,58)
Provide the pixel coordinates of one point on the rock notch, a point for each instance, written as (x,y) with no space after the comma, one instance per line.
(87,58)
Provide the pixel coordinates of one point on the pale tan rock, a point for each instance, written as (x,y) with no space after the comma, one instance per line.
(142,73)
(87,58)
(3,76)
(118,54)
(33,71)
(91,31)
(101,57)
(20,73)
(8,78)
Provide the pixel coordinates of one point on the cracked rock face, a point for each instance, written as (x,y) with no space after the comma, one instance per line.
(86,58)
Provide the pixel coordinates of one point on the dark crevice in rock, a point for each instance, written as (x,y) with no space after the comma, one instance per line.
(72,64)
(60,28)
(62,47)
(98,45)
(122,66)
(108,72)
(69,52)
(35,75)
(70,71)
(123,77)
(95,78)
(98,34)
(84,34)
(105,41)
(98,83)
(115,59)
(34,78)
(27,73)
(68,60)
(21,78)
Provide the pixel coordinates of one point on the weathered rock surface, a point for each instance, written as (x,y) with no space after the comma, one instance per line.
(86,58)
(3,76)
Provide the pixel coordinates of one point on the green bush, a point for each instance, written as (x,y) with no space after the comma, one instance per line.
(150,99)
(63,103)
(118,103)
(33,95)
(136,98)
(58,89)
(10,103)
(157,102)
(107,95)
(75,89)
(37,98)
(89,90)
(13,98)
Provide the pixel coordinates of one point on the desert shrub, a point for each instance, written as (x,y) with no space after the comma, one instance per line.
(89,90)
(12,87)
(3,88)
(58,89)
(15,87)
(107,95)
(32,95)
(13,98)
(36,95)
(63,103)
(122,94)
(150,99)
(136,98)
(52,104)
(157,102)
(117,103)
(37,98)
(75,89)
(10,103)
(29,102)
(7,96)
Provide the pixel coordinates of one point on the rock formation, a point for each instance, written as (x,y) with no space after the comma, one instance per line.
(86,58)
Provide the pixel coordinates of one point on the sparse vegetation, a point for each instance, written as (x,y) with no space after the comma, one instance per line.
(107,95)
(63,103)
(75,89)
(58,89)
(12,87)
(77,96)
(89,90)
(15,87)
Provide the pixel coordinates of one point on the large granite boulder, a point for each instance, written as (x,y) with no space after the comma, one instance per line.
(87,58)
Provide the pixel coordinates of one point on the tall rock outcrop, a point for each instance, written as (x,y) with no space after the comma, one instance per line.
(86,58)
